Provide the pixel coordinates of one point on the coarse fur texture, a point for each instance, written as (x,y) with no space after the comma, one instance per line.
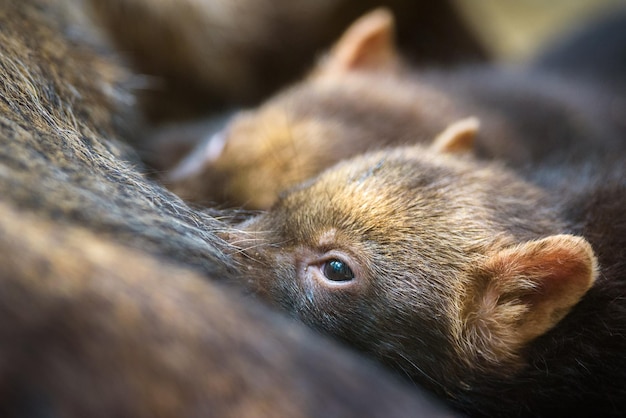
(362,97)
(54,113)
(109,304)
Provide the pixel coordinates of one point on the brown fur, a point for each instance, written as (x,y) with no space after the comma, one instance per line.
(106,303)
(361,98)
(466,276)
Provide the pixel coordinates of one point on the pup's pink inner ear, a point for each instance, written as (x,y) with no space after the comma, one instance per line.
(527,290)
(458,137)
(368,44)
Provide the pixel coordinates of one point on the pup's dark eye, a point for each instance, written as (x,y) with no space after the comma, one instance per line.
(337,271)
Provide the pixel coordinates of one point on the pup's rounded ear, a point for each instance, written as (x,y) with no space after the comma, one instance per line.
(367,45)
(458,137)
(526,290)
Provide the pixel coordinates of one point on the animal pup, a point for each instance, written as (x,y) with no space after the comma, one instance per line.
(501,291)
(362,97)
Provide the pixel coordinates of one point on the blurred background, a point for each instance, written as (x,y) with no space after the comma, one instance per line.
(512,30)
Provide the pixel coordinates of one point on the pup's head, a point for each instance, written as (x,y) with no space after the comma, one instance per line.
(438,265)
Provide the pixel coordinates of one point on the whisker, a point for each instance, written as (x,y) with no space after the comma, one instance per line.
(415,367)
